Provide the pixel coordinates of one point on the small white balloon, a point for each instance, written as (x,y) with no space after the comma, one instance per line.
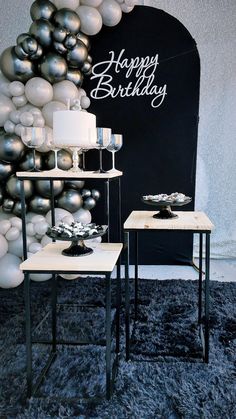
(82,93)
(39,121)
(35,247)
(83,216)
(18,129)
(92,3)
(12,234)
(9,127)
(3,247)
(38,91)
(37,218)
(35,111)
(30,231)
(69,4)
(19,101)
(15,116)
(26,119)
(59,214)
(4,85)
(90,18)
(67,219)
(4,226)
(4,215)
(111,12)
(6,106)
(45,240)
(65,90)
(40,277)
(125,8)
(85,102)
(13,276)
(16,246)
(16,222)
(29,216)
(16,88)
(41,228)
(49,109)
(69,277)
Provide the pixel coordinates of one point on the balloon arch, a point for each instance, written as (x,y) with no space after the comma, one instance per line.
(39,74)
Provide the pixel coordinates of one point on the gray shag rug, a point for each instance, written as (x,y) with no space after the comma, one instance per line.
(177,384)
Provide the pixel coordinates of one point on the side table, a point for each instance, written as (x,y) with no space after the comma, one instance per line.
(50,260)
(190,221)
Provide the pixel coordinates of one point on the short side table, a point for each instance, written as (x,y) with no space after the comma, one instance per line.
(50,260)
(191,221)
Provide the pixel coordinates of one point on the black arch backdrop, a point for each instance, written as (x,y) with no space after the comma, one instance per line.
(145,85)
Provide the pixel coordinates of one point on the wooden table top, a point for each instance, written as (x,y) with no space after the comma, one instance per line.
(67,174)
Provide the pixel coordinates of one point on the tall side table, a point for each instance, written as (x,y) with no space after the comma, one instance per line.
(50,260)
(190,221)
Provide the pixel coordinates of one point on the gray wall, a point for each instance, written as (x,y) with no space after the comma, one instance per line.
(212,25)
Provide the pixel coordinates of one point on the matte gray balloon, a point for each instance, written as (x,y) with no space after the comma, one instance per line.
(89,203)
(64,160)
(17,209)
(53,67)
(96,194)
(60,48)
(67,19)
(11,147)
(1,194)
(85,193)
(13,187)
(78,55)
(75,184)
(15,69)
(42,9)
(6,169)
(87,68)
(42,30)
(84,38)
(8,205)
(27,162)
(70,200)
(30,45)
(39,205)
(75,76)
(43,187)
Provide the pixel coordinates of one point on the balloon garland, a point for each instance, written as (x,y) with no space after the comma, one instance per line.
(39,74)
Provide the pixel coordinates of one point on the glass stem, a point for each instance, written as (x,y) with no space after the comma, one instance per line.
(34,160)
(83,164)
(100,160)
(56,166)
(113,160)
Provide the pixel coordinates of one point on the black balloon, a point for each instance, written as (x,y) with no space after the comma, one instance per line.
(8,205)
(44,9)
(75,184)
(64,160)
(84,38)
(13,187)
(68,19)
(53,67)
(27,162)
(89,203)
(85,193)
(42,30)
(6,169)
(14,68)
(78,55)
(39,205)
(11,147)
(75,76)
(70,200)
(17,208)
(43,187)
(95,194)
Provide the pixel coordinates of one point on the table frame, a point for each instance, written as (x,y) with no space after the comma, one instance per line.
(203,323)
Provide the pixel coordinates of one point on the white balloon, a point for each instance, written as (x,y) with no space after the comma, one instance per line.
(59,214)
(38,91)
(35,247)
(85,102)
(16,246)
(39,121)
(9,127)
(40,277)
(37,218)
(41,228)
(92,3)
(4,215)
(16,88)
(125,8)
(13,276)
(69,4)
(4,226)
(16,222)
(4,85)
(12,234)
(35,111)
(130,3)
(82,93)
(45,240)
(48,110)
(111,12)
(6,106)
(19,101)
(30,231)
(67,219)
(90,19)
(69,277)
(3,247)
(15,116)
(65,90)
(26,119)
(29,216)
(83,216)
(18,129)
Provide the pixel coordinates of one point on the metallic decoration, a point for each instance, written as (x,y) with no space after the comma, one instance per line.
(60,48)
(21,38)
(17,209)
(13,187)
(53,67)
(70,41)
(1,194)
(11,147)
(64,160)
(87,68)
(30,45)
(75,184)
(78,55)
(85,193)
(43,187)
(96,194)
(89,59)
(20,52)
(68,20)
(70,200)
(42,30)
(89,203)
(60,34)
(28,161)
(6,170)
(84,38)
(75,76)
(39,205)
(38,53)
(42,9)
(8,205)
(15,69)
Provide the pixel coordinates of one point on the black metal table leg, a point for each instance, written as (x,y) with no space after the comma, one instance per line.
(54,312)
(119,221)
(108,337)
(200,280)
(136,278)
(118,302)
(107,207)
(28,335)
(52,203)
(127,297)
(23,214)
(207,284)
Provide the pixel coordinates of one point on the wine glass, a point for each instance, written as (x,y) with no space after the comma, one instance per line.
(114,146)
(49,141)
(102,141)
(33,137)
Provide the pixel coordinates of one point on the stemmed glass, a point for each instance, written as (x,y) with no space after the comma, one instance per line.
(33,137)
(114,146)
(51,144)
(102,141)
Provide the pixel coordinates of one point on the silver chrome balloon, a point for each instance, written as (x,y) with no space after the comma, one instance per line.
(78,55)
(6,170)
(53,67)
(43,187)
(8,205)
(30,45)
(87,68)
(59,47)
(95,194)
(64,160)
(68,19)
(44,9)
(89,203)
(85,193)
(21,37)
(70,200)
(84,38)
(39,205)
(30,159)
(14,68)
(75,76)
(38,54)
(60,34)
(11,147)
(1,194)
(75,184)
(20,52)
(13,187)
(42,30)
(17,209)
(70,41)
